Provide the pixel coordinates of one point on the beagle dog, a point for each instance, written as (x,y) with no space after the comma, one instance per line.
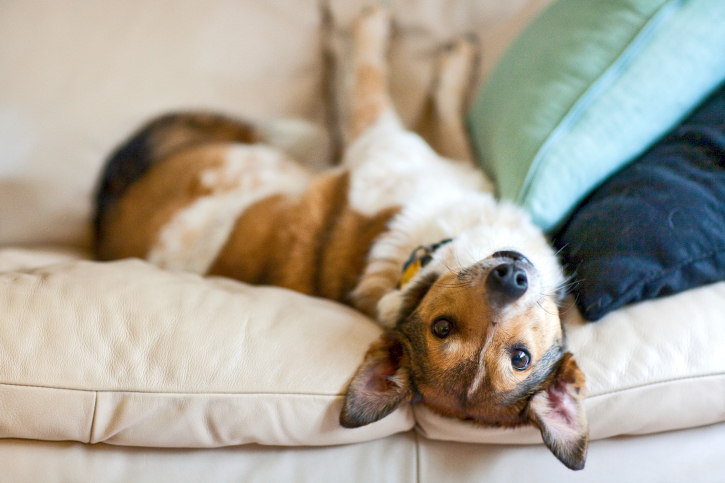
(466,286)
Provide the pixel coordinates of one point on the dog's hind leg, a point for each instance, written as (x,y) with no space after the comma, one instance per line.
(449,99)
(370,102)
(446,110)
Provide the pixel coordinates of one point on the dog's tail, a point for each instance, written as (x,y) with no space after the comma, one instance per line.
(155,141)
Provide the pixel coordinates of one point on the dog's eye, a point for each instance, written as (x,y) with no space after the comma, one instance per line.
(442,328)
(520,359)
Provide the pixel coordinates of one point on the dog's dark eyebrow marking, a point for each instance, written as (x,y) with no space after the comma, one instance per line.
(414,295)
(541,371)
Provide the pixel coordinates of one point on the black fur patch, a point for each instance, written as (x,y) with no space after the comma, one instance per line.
(158,139)
(125,165)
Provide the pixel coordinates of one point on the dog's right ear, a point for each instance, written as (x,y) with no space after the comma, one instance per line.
(558,411)
(380,385)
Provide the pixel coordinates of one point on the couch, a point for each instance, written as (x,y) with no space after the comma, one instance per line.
(120,371)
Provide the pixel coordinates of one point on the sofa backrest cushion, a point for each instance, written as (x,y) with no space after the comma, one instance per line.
(78,78)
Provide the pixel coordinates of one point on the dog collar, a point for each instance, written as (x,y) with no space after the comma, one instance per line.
(419,259)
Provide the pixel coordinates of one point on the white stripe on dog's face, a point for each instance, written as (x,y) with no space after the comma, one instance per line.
(193,238)
(480,374)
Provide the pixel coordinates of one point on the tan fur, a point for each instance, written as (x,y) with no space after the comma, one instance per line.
(254,238)
(131,228)
(368,82)
(369,100)
(315,244)
(373,287)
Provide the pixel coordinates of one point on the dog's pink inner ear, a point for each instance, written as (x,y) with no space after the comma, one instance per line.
(381,377)
(380,385)
(558,411)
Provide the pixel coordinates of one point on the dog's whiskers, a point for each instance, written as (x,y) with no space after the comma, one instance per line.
(544,308)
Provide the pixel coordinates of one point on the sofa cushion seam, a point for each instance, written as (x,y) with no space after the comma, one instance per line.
(657,383)
(93,418)
(180,393)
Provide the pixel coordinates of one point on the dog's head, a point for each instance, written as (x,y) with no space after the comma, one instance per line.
(483,343)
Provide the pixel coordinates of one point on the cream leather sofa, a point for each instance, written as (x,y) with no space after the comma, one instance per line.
(123,372)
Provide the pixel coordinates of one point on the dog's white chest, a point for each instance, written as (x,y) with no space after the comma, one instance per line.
(392,167)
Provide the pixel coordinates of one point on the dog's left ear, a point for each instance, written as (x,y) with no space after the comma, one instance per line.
(558,411)
(380,385)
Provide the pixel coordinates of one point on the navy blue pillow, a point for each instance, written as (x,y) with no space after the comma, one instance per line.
(656,227)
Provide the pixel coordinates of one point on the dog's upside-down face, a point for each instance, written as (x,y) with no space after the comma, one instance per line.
(483,344)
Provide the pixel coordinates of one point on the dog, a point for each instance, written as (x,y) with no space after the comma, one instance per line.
(466,286)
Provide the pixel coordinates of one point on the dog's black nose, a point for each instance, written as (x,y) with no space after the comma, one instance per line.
(507,282)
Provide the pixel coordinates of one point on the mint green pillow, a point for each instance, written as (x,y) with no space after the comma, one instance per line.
(588,86)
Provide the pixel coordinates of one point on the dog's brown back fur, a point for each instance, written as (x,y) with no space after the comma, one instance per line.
(316,244)
(154,142)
